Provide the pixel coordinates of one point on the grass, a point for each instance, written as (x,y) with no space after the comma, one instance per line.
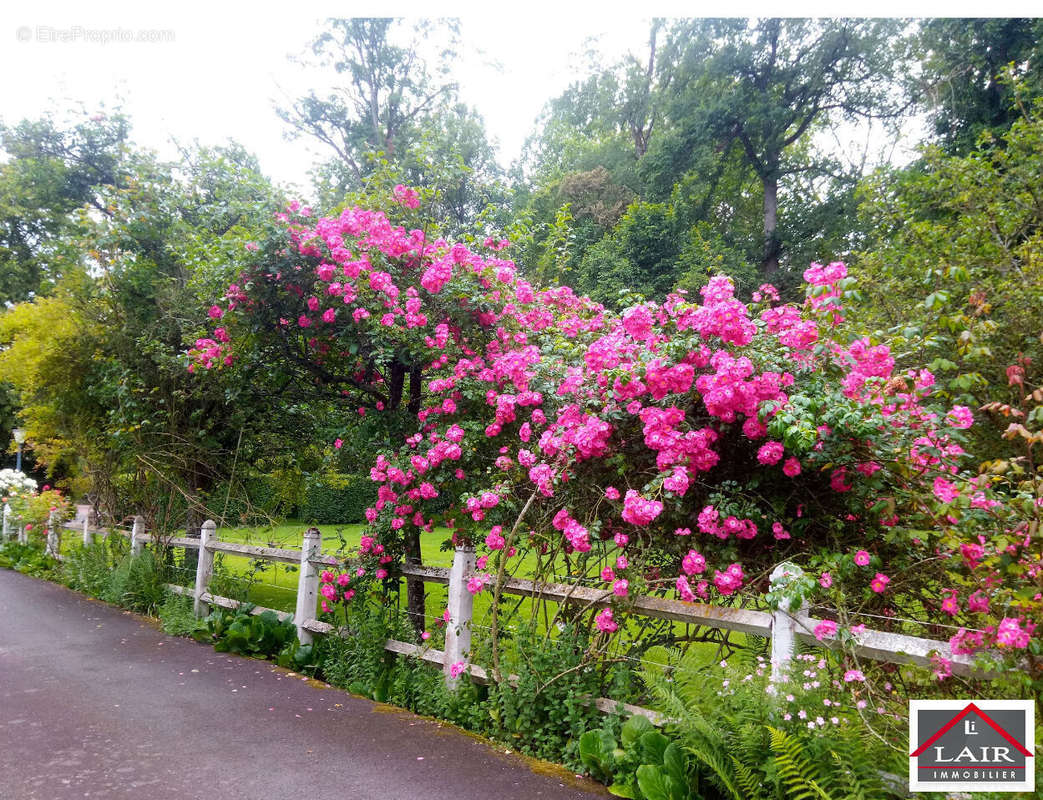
(274,584)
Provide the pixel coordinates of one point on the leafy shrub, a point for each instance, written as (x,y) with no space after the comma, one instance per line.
(302,658)
(548,708)
(751,743)
(177,617)
(644,764)
(89,569)
(28,558)
(138,583)
(336,498)
(262,635)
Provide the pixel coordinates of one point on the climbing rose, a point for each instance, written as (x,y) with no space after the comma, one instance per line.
(1011,634)
(639,511)
(605,622)
(879,583)
(457,669)
(825,629)
(862,558)
(960,417)
(770,453)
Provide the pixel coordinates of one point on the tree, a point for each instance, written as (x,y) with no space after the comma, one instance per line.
(715,126)
(49,172)
(956,263)
(969,70)
(763,86)
(341,310)
(98,367)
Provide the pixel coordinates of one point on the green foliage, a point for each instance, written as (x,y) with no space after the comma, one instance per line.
(336,498)
(966,66)
(244,633)
(138,583)
(359,662)
(644,764)
(547,709)
(543,711)
(29,559)
(745,746)
(89,568)
(718,122)
(225,582)
(47,173)
(956,266)
(251,501)
(303,658)
(176,616)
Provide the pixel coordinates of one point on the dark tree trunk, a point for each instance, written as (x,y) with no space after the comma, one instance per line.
(770,262)
(396,380)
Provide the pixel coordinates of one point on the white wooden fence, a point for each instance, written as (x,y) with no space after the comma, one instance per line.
(784,627)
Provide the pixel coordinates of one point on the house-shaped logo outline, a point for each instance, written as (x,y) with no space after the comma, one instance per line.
(984,718)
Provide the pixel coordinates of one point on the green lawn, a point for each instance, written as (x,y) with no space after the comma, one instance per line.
(275,587)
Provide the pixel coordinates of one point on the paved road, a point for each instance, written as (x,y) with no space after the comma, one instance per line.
(98,703)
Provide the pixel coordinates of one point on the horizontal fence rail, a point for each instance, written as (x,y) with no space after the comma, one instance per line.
(783,628)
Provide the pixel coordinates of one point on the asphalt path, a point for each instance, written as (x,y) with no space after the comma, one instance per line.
(97,702)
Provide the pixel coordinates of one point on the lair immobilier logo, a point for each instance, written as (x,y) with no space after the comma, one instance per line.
(985,745)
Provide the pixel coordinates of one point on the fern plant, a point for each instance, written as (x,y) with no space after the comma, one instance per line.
(751,746)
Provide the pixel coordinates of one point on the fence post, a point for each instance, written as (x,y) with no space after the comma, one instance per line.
(204,565)
(88,540)
(461,608)
(137,533)
(7,524)
(307,584)
(23,537)
(784,622)
(54,536)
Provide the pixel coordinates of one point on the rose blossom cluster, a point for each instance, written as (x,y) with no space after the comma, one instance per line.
(543,393)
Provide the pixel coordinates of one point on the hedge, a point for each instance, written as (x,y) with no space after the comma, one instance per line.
(336,498)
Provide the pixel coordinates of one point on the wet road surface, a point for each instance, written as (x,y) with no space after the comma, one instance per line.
(98,703)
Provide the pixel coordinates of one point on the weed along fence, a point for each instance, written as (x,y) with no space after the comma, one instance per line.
(783,628)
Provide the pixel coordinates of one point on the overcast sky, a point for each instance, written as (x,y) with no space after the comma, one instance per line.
(217,75)
(212,71)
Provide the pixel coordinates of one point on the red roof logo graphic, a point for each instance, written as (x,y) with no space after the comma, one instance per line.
(984,718)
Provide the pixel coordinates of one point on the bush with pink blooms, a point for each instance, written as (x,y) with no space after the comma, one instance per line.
(682,447)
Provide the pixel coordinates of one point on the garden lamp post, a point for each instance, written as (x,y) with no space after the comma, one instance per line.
(19,437)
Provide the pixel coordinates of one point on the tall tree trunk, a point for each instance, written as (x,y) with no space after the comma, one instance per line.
(770,262)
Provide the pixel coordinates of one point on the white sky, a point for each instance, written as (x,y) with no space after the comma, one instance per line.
(226,63)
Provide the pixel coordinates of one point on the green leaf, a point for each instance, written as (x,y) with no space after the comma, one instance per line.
(675,762)
(654,783)
(653,744)
(634,728)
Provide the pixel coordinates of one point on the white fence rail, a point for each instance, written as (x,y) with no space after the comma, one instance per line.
(784,628)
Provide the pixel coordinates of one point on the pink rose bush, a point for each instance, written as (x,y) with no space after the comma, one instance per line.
(697,436)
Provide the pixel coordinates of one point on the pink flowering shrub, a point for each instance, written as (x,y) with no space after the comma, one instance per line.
(686,446)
